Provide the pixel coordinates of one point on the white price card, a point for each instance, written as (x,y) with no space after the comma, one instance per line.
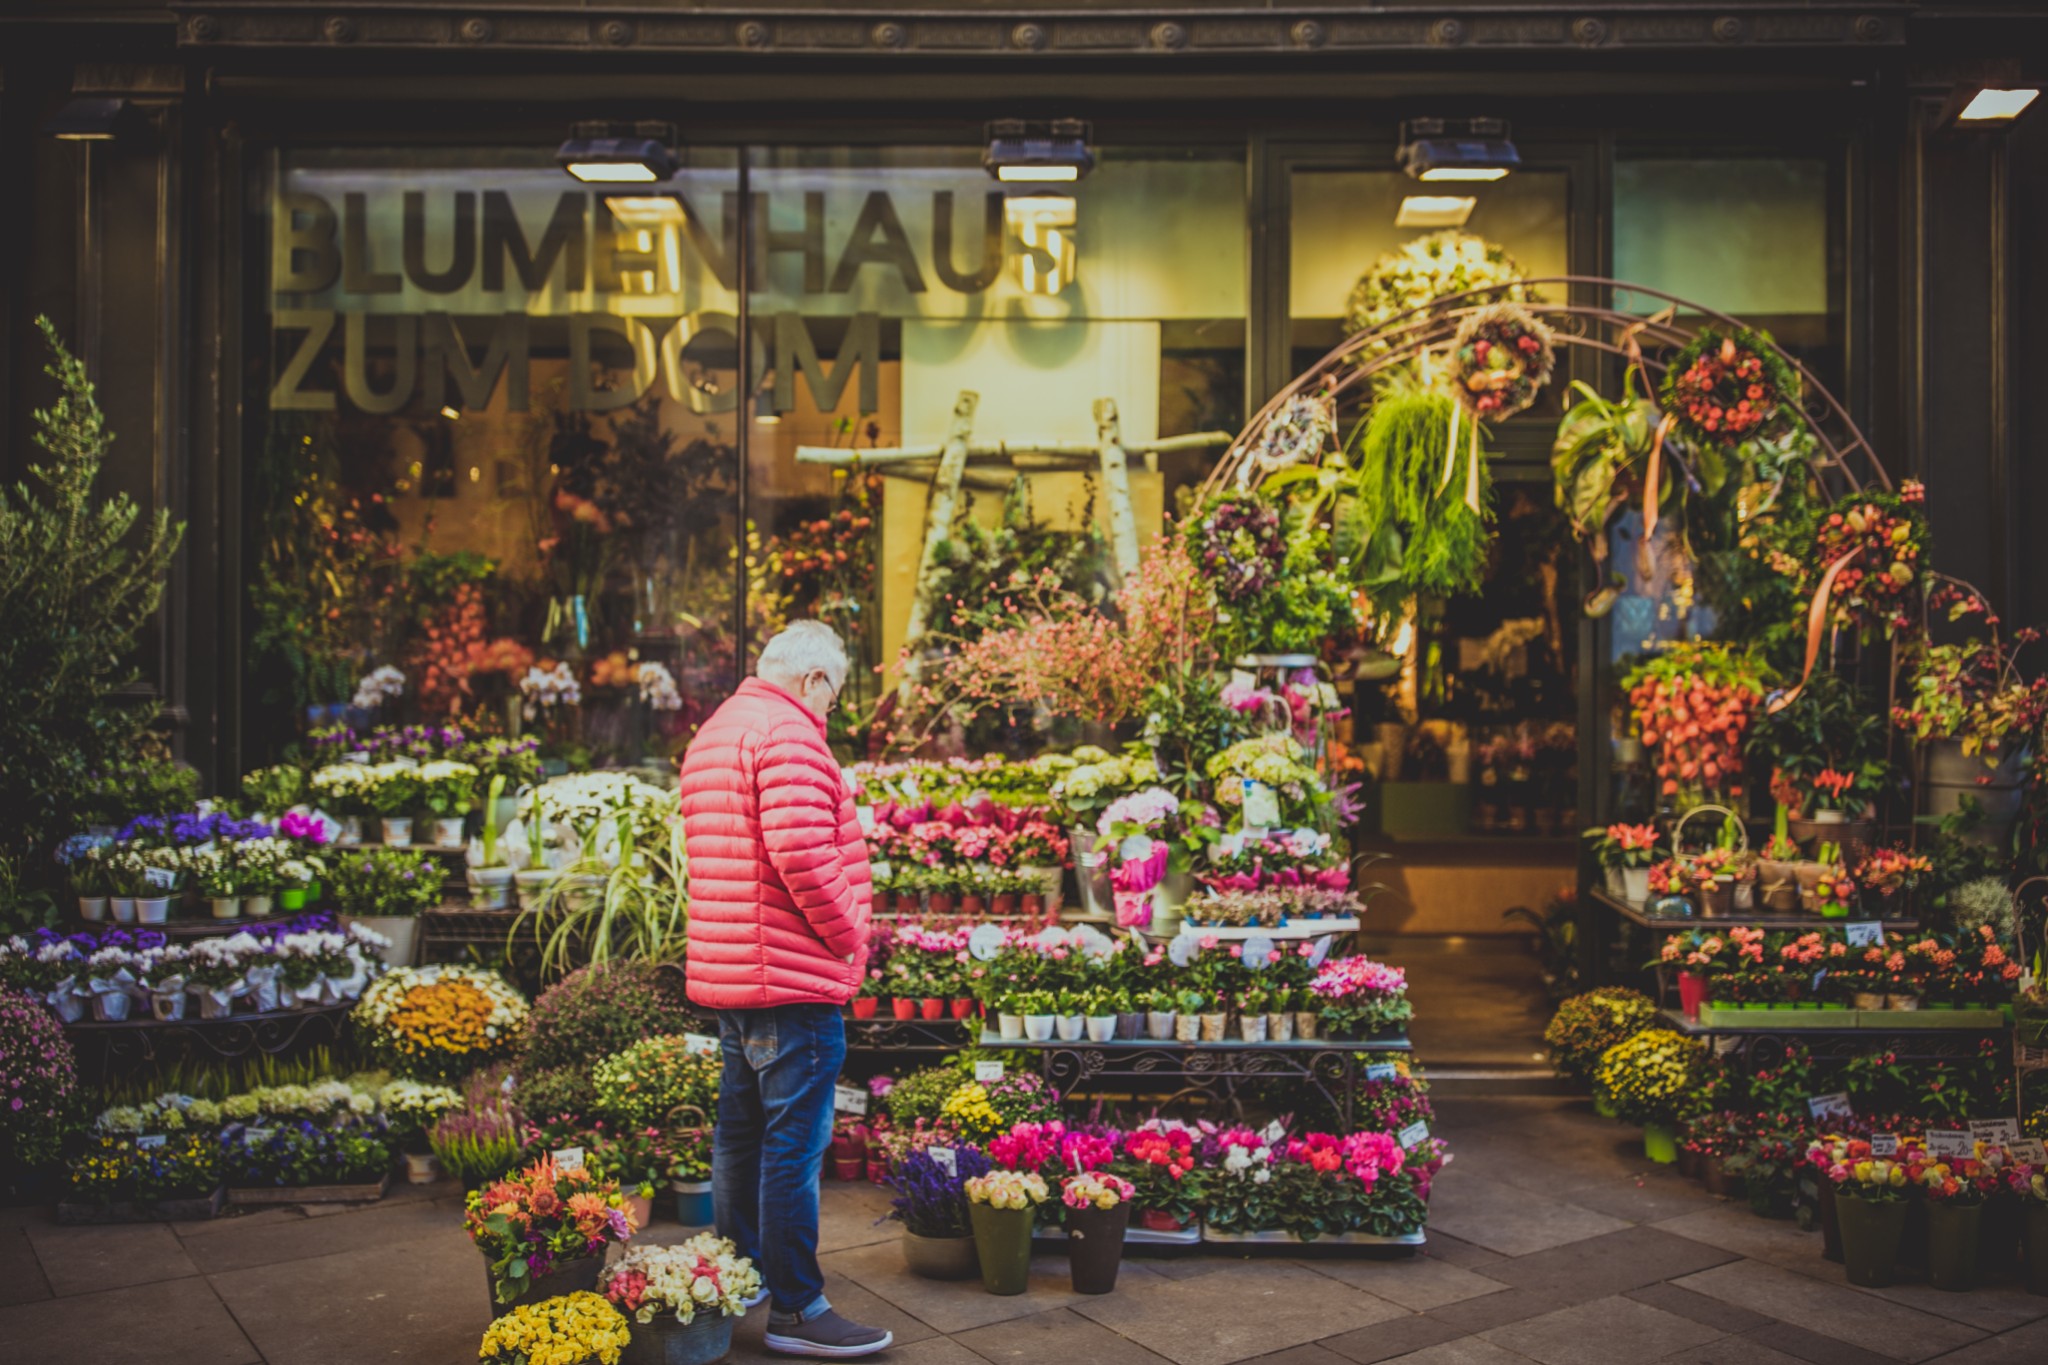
(700,1044)
(1950,1142)
(1864,934)
(2030,1150)
(988,1072)
(1261,807)
(942,1157)
(163,879)
(1414,1135)
(1884,1144)
(2001,1132)
(568,1158)
(148,1141)
(1381,1071)
(849,1099)
(1835,1106)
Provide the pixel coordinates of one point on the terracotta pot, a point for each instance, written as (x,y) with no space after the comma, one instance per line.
(972,906)
(1003,904)
(864,1006)
(962,1008)
(940,903)
(909,903)
(932,1007)
(1031,905)
(903,1008)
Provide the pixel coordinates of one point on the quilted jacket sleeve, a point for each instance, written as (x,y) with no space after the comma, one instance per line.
(800,787)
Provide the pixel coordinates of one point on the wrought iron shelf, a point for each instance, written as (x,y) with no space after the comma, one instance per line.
(1767,1043)
(1636,915)
(104,1043)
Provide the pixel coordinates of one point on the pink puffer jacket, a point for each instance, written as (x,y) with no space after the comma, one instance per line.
(779,890)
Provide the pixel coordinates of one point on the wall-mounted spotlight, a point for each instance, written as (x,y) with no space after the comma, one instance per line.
(1434,210)
(1987,106)
(1477,149)
(601,153)
(1038,150)
(93,119)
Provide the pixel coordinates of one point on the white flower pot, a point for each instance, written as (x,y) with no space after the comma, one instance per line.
(213,1006)
(1073,1027)
(152,909)
(351,831)
(256,907)
(111,1007)
(1010,1026)
(490,888)
(1101,1030)
(1636,884)
(1159,1025)
(532,885)
(422,1168)
(123,909)
(1038,1027)
(1616,885)
(1745,897)
(402,930)
(92,907)
(397,829)
(69,1004)
(448,831)
(1252,1028)
(225,907)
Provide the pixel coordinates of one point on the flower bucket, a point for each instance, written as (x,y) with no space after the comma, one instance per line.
(1252,1028)
(256,907)
(92,907)
(703,1339)
(122,908)
(351,831)
(1010,1027)
(693,1203)
(1072,1027)
(111,1007)
(568,1277)
(940,1258)
(1130,1025)
(1159,1025)
(1692,993)
(1213,1026)
(903,1009)
(422,1168)
(1635,882)
(397,829)
(1101,1028)
(1998,1250)
(1871,1232)
(864,1006)
(225,907)
(152,909)
(2036,1233)
(447,831)
(1830,1223)
(1659,1144)
(69,1004)
(639,1209)
(1038,1027)
(1714,1176)
(1095,1247)
(1953,1234)
(1280,1027)
(1158,1220)
(1187,1028)
(878,1170)
(1603,1104)
(1689,1162)
(962,1009)
(213,1005)
(1002,1241)
(293,898)
(849,1168)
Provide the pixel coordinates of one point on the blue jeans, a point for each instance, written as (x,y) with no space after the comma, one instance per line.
(774,1124)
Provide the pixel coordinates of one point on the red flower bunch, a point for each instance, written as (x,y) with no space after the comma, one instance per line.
(1027,1146)
(1693,704)
(1878,589)
(1726,388)
(1173,1150)
(455,651)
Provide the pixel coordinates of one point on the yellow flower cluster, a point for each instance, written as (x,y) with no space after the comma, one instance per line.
(570,1330)
(969,1108)
(1007,1189)
(1646,1076)
(448,1010)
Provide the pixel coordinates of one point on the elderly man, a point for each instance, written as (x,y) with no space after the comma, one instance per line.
(779,906)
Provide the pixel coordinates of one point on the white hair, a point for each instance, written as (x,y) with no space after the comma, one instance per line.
(803,648)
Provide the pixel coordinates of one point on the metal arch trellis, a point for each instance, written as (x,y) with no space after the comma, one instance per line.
(1611,331)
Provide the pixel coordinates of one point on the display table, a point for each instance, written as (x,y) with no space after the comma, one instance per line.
(1770,920)
(101,1045)
(1217,1071)
(1299,929)
(1763,1038)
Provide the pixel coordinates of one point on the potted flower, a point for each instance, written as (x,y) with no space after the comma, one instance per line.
(1834,890)
(1360,997)
(1098,1005)
(1251,1014)
(1098,1213)
(543,1231)
(869,997)
(296,879)
(578,1327)
(1827,751)
(1891,877)
(439,1022)
(689,1174)
(90,883)
(215,971)
(1187,1020)
(1159,1163)
(1130,1019)
(1955,1189)
(259,872)
(931,1203)
(386,890)
(531,880)
(1975,714)
(1160,1014)
(410,1108)
(393,792)
(682,1299)
(214,876)
(1670,891)
(1625,853)
(1777,869)
(1001,1207)
(446,790)
(2029,1184)
(490,876)
(1647,1078)
(110,979)
(343,791)
(478,1143)
(1070,1009)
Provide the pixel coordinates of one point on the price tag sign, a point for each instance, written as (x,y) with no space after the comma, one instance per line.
(942,1157)
(879,872)
(568,1158)
(163,879)
(1884,1144)
(1950,1142)
(1834,1106)
(988,1072)
(1414,1135)
(1381,1071)
(700,1045)
(866,816)
(1261,807)
(849,1099)
(150,1141)
(2030,1150)
(2001,1132)
(1864,934)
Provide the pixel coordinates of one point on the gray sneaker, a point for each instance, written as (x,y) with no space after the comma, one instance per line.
(828,1336)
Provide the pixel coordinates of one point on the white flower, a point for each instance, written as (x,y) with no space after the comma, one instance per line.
(378,686)
(547,688)
(658,687)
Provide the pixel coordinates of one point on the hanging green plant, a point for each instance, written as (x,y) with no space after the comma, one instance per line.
(1598,456)
(1726,387)
(1413,527)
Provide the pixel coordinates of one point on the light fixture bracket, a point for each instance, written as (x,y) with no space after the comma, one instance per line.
(1038,151)
(1449,150)
(606,152)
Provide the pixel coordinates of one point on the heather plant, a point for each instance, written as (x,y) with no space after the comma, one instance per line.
(39,1082)
(601,1010)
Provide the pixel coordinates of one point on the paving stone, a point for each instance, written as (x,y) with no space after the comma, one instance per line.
(1268,1306)
(1609,1331)
(84,1259)
(1457,1251)
(1494,1310)
(239,1220)
(168,1322)
(1417,1282)
(1466,1114)
(1387,1340)
(1812,1347)
(1508,1220)
(1608,1264)
(1993,1308)
(21,1274)
(2021,1346)
(1732,1227)
(1731,1351)
(259,1244)
(416,1300)
(1714,1313)
(850,1217)
(1464,1351)
(1188,1267)
(951,1306)
(1864,1320)
(1058,1335)
(1311,1354)
(1645,1197)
